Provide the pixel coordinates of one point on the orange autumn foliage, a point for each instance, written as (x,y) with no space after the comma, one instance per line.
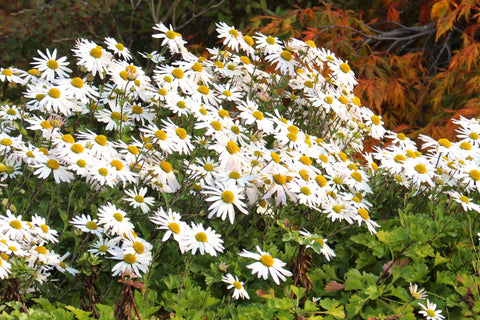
(417,62)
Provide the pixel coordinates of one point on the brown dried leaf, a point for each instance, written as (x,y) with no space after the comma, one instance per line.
(334,286)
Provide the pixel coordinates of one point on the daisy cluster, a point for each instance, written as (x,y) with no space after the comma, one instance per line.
(444,167)
(430,311)
(210,128)
(28,241)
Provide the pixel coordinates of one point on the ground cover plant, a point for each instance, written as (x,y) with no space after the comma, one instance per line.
(229,185)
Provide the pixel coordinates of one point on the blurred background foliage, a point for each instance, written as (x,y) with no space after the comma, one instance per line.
(416,60)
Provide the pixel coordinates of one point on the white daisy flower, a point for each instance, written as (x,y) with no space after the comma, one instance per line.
(129,262)
(225,198)
(237,286)
(118,48)
(50,66)
(266,264)
(137,199)
(203,240)
(430,311)
(85,223)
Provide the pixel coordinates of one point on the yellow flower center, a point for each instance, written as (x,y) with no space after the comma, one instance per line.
(337,208)
(181,133)
(320,180)
(234,175)
(245,60)
(420,168)
(117,164)
(237,285)
(160,134)
(15,224)
(270,40)
(174,227)
(401,136)
(216,125)
(248,40)
(203,89)
(6,142)
(474,174)
(103,172)
(129,258)
(286,55)
(96,52)
(92,225)
(233,32)
(357,176)
(118,216)
(279,179)
(181,104)
(133,150)
(328,100)
(170,34)
(41,250)
(53,164)
(375,119)
(138,247)
(258,115)
(363,213)
(223,113)
(197,67)
(292,136)
(306,160)
(232,147)
(178,73)
(101,140)
(267,260)
(52,64)
(137,109)
(465,146)
(345,67)
(39,97)
(138,198)
(228,196)
(465,199)
(208,167)
(399,158)
(305,190)
(473,135)
(304,174)
(201,236)
(54,93)
(44,228)
(219,64)
(166,166)
(7,72)
(431,313)
(81,163)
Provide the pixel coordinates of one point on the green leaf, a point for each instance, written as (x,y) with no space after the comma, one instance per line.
(79,314)
(439,259)
(333,308)
(445,277)
(355,304)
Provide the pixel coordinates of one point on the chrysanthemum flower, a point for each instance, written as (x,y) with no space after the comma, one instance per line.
(118,48)
(266,265)
(417,294)
(203,240)
(137,199)
(237,286)
(86,224)
(430,311)
(129,262)
(225,198)
(50,66)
